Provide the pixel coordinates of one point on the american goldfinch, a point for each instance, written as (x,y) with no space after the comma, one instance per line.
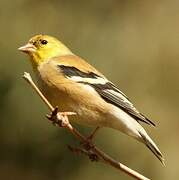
(72,84)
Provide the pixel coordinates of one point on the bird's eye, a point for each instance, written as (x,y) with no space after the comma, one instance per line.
(44,42)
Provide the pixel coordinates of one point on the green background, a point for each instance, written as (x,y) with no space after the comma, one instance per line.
(134,43)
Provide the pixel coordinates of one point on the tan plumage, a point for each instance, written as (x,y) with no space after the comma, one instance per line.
(72,84)
(59,91)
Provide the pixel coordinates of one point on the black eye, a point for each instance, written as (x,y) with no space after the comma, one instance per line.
(44,42)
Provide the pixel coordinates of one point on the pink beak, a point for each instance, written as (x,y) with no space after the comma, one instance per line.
(28,48)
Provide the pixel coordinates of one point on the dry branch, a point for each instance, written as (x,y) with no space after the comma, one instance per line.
(61,119)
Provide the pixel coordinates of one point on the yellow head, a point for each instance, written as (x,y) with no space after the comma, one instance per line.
(43,47)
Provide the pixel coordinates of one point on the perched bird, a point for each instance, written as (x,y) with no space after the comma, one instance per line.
(72,84)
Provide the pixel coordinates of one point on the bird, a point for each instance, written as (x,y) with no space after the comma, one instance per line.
(72,84)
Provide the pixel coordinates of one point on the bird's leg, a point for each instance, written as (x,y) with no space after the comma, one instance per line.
(91,136)
(59,118)
(87,147)
(88,143)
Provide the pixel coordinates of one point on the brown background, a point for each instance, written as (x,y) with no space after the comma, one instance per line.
(134,43)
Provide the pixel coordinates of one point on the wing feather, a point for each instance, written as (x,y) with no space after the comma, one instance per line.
(115,97)
(107,90)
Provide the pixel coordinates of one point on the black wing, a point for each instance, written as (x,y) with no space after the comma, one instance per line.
(114,96)
(107,90)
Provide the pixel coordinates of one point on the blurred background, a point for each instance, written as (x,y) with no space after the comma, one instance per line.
(134,43)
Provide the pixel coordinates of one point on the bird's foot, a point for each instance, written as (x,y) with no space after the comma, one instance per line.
(88,143)
(92,156)
(59,118)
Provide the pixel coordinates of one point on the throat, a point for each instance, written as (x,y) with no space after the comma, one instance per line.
(35,61)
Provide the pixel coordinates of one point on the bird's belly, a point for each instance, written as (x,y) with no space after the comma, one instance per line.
(86,113)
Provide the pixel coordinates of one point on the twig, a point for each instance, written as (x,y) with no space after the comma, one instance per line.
(63,118)
(92,156)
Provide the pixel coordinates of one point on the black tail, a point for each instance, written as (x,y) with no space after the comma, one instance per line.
(152,146)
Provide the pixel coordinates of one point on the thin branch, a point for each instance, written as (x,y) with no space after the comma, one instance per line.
(92,156)
(61,119)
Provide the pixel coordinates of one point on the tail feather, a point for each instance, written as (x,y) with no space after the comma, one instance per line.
(152,146)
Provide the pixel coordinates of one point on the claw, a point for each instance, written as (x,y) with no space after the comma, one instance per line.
(93,157)
(53,116)
(87,145)
(55,111)
(59,118)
